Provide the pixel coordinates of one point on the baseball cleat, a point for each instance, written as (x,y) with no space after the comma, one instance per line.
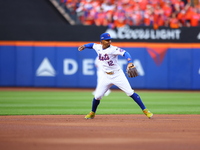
(91,115)
(148,113)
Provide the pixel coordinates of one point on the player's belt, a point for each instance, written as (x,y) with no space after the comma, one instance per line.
(110,73)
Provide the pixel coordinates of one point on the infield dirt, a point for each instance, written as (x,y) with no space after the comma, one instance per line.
(105,132)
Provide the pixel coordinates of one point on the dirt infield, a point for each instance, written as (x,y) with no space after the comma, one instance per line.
(105,132)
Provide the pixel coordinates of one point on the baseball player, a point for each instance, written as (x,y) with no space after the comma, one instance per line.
(113,74)
(99,74)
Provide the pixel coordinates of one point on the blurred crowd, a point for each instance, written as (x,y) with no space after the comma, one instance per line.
(118,13)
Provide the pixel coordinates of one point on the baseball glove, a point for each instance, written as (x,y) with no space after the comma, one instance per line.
(132,72)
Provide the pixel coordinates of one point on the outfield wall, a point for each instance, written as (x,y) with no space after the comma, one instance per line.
(60,64)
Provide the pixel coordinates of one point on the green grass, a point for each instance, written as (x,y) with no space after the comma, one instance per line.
(73,102)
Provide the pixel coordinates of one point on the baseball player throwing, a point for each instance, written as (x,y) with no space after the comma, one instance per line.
(113,74)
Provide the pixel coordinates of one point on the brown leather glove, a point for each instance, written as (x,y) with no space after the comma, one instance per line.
(132,72)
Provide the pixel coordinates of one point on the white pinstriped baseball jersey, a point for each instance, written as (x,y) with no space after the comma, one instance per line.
(108,57)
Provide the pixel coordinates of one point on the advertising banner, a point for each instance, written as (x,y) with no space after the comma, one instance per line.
(195,69)
(62,66)
(60,32)
(180,65)
(24,72)
(7,65)
(44,66)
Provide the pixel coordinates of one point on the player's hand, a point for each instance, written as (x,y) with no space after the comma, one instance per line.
(82,47)
(130,65)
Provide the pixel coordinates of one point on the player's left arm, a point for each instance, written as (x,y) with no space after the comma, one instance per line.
(129,59)
(130,70)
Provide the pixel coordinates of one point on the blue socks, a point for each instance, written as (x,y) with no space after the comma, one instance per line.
(138,100)
(95,104)
(135,97)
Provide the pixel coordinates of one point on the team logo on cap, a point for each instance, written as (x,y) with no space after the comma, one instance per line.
(105,36)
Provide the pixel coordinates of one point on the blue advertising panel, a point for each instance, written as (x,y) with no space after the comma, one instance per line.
(196,69)
(180,68)
(87,71)
(67,67)
(44,66)
(24,66)
(156,68)
(7,65)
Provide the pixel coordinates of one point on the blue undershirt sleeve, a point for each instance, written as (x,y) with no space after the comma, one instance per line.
(128,57)
(89,45)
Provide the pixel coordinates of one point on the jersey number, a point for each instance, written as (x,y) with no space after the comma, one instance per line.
(110,63)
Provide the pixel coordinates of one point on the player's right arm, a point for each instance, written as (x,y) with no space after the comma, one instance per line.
(82,47)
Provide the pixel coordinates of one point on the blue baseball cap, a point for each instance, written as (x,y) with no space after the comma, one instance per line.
(105,36)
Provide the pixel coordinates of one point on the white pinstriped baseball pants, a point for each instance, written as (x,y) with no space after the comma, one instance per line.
(106,81)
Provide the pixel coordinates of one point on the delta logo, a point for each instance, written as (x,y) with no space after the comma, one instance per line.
(46,69)
(157,54)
